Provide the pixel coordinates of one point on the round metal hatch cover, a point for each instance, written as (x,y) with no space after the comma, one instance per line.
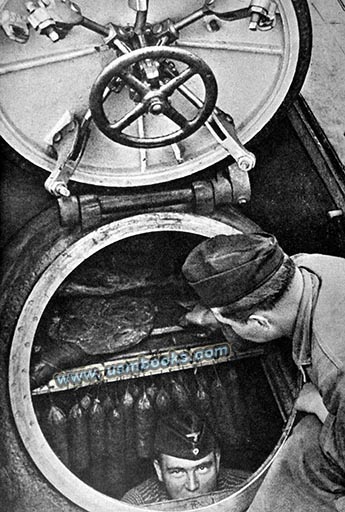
(41,80)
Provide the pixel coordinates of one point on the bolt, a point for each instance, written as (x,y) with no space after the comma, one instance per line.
(57,137)
(171,65)
(156,109)
(31,6)
(242,200)
(254,20)
(53,35)
(157,29)
(60,189)
(244,164)
(213,26)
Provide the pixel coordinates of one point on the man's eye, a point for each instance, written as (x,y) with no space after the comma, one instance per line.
(176,472)
(203,469)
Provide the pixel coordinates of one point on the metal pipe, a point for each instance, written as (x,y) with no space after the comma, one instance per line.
(44,60)
(188,20)
(126,202)
(140,22)
(95,27)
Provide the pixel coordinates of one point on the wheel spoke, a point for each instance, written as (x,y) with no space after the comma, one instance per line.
(15,65)
(176,82)
(231,46)
(175,116)
(128,118)
(142,151)
(134,82)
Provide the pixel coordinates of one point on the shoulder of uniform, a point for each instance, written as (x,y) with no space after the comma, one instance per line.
(330,269)
(318,260)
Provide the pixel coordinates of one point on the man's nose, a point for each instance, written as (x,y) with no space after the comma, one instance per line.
(192,483)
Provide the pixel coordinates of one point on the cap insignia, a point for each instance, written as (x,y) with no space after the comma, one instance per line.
(194,436)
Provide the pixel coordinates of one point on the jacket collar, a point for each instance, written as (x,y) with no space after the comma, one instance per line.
(302,336)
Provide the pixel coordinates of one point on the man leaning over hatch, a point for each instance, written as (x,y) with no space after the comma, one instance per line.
(254,289)
(187,463)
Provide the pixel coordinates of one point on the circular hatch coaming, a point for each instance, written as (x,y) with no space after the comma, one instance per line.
(22,406)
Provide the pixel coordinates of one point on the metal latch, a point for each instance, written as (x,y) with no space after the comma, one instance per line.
(223,130)
(15,25)
(221,127)
(67,141)
(263,14)
(53,18)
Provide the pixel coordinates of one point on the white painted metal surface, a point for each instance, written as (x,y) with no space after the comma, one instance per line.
(40,80)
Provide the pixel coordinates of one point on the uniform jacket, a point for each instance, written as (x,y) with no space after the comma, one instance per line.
(319,343)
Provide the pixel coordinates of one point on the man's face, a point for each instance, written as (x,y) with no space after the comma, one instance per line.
(185,478)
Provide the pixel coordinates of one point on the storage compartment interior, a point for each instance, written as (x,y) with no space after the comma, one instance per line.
(111,356)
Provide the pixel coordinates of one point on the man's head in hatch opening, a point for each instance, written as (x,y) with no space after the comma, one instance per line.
(248,283)
(187,456)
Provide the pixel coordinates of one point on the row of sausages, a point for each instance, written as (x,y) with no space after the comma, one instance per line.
(108,434)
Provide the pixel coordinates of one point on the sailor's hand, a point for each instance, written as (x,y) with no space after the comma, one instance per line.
(310,401)
(202,317)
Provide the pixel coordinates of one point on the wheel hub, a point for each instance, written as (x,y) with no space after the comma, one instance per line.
(156,107)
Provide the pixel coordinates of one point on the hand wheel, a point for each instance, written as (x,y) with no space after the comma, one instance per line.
(152,95)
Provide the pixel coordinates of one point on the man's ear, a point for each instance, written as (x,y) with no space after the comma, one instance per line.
(260,320)
(158,470)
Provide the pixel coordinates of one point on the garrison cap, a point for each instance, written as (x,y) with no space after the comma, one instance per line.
(184,436)
(226,268)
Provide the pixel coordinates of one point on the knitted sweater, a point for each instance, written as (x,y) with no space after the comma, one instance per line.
(153,491)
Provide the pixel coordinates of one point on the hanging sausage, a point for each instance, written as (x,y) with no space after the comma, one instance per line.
(145,426)
(134,390)
(127,408)
(85,402)
(179,395)
(96,443)
(115,484)
(108,405)
(78,440)
(238,406)
(57,428)
(203,403)
(152,391)
(163,401)
(224,414)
